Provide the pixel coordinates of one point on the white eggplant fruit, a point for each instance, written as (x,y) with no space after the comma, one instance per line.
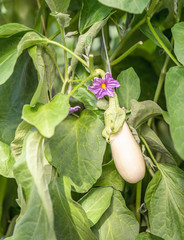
(127,155)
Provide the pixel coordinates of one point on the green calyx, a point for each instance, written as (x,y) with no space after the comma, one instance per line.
(114,118)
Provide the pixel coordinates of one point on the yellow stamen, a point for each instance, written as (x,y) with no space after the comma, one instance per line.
(103,85)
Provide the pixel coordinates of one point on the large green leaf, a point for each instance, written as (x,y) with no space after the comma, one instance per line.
(6,160)
(92,12)
(10,36)
(145,29)
(147,236)
(77,149)
(16,92)
(178,35)
(58,5)
(95,202)
(164,200)
(86,97)
(132,6)
(46,74)
(11,29)
(129,87)
(46,117)
(174,91)
(70,219)
(33,174)
(17,143)
(30,39)
(110,177)
(155,144)
(142,111)
(118,222)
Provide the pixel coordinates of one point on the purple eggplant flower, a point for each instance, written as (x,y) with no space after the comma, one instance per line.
(102,87)
(73,109)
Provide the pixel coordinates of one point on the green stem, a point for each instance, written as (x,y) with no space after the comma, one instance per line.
(69,51)
(161,43)
(91,63)
(149,151)
(126,37)
(55,62)
(124,55)
(84,81)
(65,53)
(152,7)
(117,27)
(54,35)
(160,84)
(138,200)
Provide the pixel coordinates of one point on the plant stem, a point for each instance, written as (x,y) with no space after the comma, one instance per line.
(42,19)
(126,37)
(91,63)
(55,62)
(152,7)
(117,27)
(161,43)
(84,81)
(124,55)
(138,200)
(65,53)
(54,35)
(106,53)
(69,51)
(149,151)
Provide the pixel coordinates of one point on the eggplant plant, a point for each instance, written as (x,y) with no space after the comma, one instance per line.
(92,120)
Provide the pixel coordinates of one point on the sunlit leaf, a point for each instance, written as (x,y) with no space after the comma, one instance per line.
(129,87)
(70,219)
(164,200)
(118,222)
(78,147)
(132,6)
(95,202)
(47,117)
(174,92)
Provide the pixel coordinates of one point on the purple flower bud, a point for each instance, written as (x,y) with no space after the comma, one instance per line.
(73,109)
(102,87)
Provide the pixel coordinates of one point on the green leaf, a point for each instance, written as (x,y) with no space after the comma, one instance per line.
(142,111)
(118,222)
(78,147)
(92,12)
(33,173)
(96,202)
(178,36)
(17,143)
(174,92)
(11,29)
(86,97)
(92,32)
(147,236)
(10,36)
(129,87)
(70,219)
(145,29)
(46,74)
(164,200)
(110,177)
(58,5)
(132,6)
(6,160)
(30,39)
(155,144)
(16,92)
(46,117)
(8,56)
